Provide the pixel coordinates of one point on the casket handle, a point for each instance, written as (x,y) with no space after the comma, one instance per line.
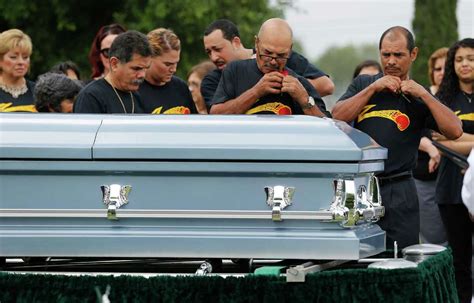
(114,196)
(278,198)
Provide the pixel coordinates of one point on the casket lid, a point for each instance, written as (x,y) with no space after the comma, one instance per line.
(191,138)
(47,136)
(233,137)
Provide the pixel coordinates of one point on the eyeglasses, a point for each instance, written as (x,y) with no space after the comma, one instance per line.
(105,52)
(268,58)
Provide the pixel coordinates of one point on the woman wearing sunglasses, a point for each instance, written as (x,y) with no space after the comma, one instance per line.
(99,53)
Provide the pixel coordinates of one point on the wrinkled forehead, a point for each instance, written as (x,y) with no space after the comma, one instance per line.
(275,44)
(394,41)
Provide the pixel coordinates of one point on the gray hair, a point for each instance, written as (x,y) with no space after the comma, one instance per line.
(51,89)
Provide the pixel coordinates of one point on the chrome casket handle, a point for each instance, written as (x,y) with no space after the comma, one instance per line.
(278,198)
(114,196)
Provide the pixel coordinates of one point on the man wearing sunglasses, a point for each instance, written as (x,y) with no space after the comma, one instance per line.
(265,85)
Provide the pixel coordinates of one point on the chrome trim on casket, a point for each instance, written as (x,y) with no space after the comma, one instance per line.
(179,214)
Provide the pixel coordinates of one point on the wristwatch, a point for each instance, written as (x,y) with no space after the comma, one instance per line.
(310,103)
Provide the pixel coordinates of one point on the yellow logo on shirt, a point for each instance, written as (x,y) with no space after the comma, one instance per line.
(275,107)
(400,119)
(465,117)
(177,110)
(8,108)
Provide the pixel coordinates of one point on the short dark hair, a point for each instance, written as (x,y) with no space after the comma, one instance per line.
(228,28)
(364,64)
(129,43)
(405,32)
(51,89)
(63,67)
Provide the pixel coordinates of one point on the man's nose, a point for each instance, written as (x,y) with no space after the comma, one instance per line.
(392,60)
(214,56)
(141,73)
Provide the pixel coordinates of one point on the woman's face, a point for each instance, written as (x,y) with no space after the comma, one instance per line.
(66,106)
(15,63)
(464,64)
(104,51)
(438,71)
(163,67)
(194,84)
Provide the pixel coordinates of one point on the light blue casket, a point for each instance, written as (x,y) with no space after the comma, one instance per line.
(270,187)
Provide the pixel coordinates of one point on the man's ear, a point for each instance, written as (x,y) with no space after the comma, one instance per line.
(114,62)
(414,54)
(236,43)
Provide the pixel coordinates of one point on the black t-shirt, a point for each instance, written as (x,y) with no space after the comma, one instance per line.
(24,103)
(421,171)
(393,122)
(98,97)
(209,85)
(450,179)
(172,98)
(240,76)
(299,64)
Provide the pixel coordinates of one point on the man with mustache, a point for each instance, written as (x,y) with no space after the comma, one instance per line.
(222,44)
(264,85)
(394,109)
(130,57)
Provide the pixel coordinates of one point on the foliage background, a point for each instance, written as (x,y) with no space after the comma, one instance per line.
(64,30)
(434,26)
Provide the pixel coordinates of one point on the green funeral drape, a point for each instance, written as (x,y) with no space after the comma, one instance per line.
(432,281)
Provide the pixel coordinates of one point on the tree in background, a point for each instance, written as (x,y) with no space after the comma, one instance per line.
(434,25)
(189,18)
(60,30)
(339,63)
(63,30)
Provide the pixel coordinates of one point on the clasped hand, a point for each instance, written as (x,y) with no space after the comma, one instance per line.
(275,83)
(396,85)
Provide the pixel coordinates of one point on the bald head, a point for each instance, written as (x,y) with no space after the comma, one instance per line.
(395,33)
(273,45)
(276,30)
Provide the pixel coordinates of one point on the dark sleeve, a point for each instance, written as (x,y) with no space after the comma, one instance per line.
(225,90)
(357,85)
(317,98)
(208,87)
(87,103)
(300,65)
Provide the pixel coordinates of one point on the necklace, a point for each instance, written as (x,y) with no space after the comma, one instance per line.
(14,91)
(469,99)
(121,102)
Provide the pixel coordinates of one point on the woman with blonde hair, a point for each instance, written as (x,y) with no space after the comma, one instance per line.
(162,92)
(16,92)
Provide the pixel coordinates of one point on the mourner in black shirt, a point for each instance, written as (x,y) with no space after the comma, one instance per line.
(457,91)
(16,92)
(222,44)
(130,57)
(393,110)
(264,85)
(162,92)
